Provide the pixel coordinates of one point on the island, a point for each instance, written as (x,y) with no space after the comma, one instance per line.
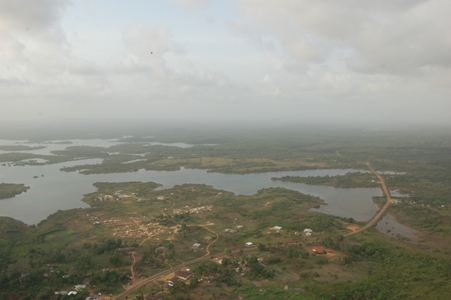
(9,190)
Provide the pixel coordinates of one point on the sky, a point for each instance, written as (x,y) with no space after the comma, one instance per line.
(287,61)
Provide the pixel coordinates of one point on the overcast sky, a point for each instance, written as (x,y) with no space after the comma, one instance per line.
(321,61)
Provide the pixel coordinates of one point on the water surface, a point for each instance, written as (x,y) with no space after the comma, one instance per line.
(52,190)
(389,226)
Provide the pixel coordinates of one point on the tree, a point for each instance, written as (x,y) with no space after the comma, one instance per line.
(46,293)
(5,296)
(114,259)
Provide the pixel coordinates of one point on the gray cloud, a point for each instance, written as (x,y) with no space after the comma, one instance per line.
(396,37)
(307,60)
(29,16)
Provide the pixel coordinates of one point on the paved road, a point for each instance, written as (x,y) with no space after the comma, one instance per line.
(381,211)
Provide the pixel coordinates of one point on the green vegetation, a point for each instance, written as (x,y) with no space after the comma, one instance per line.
(164,225)
(9,190)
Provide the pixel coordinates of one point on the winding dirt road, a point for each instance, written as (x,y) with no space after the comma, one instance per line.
(207,256)
(381,211)
(142,282)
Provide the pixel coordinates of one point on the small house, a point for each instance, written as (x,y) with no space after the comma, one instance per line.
(79,287)
(126,249)
(183,275)
(318,250)
(248,244)
(173,280)
(196,245)
(153,298)
(277,228)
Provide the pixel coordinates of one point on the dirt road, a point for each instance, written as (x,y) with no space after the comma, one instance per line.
(381,211)
(208,256)
(138,284)
(173,269)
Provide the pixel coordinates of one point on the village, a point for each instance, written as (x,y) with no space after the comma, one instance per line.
(183,232)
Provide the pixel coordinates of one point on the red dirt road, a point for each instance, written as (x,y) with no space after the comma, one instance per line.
(381,211)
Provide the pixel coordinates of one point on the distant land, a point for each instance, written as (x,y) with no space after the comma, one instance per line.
(138,238)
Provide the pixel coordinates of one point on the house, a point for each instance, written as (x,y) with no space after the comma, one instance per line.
(277,228)
(196,245)
(62,293)
(308,230)
(318,250)
(126,249)
(248,244)
(239,226)
(79,287)
(153,298)
(183,275)
(160,198)
(173,280)
(72,293)
(160,249)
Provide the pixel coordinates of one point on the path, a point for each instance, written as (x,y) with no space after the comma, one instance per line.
(206,256)
(133,253)
(217,237)
(381,211)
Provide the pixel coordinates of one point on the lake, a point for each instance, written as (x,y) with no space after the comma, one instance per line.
(57,190)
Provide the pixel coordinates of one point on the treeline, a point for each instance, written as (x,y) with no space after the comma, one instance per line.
(349,180)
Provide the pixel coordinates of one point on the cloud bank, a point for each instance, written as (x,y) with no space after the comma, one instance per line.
(263,61)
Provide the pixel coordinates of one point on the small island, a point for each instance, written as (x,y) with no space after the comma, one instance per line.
(19,148)
(9,190)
